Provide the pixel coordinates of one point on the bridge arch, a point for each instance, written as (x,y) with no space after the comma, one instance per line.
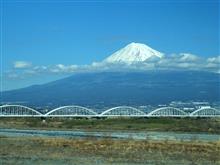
(167,111)
(17,111)
(123,111)
(206,112)
(72,110)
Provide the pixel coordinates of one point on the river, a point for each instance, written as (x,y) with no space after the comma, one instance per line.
(111,134)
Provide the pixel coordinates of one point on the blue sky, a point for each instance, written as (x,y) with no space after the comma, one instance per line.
(46,33)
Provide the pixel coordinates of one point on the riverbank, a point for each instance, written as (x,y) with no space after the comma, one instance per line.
(36,150)
(206,125)
(138,141)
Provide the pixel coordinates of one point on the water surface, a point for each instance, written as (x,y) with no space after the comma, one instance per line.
(151,135)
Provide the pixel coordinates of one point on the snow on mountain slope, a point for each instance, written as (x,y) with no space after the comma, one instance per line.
(134,53)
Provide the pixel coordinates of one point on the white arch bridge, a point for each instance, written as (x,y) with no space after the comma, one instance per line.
(120,111)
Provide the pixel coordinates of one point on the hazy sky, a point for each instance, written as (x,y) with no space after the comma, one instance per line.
(44,33)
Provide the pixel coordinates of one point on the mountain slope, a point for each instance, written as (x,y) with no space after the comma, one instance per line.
(118,88)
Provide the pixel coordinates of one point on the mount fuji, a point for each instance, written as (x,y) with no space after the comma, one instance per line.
(134,53)
(123,87)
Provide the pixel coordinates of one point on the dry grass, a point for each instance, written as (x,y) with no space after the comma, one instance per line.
(112,150)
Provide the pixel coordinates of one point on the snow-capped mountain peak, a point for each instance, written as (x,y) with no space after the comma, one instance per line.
(134,53)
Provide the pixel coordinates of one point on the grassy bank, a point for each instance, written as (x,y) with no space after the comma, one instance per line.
(208,125)
(106,151)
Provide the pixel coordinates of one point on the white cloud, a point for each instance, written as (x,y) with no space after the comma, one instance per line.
(13,75)
(182,61)
(61,68)
(22,64)
(187,57)
(214,59)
